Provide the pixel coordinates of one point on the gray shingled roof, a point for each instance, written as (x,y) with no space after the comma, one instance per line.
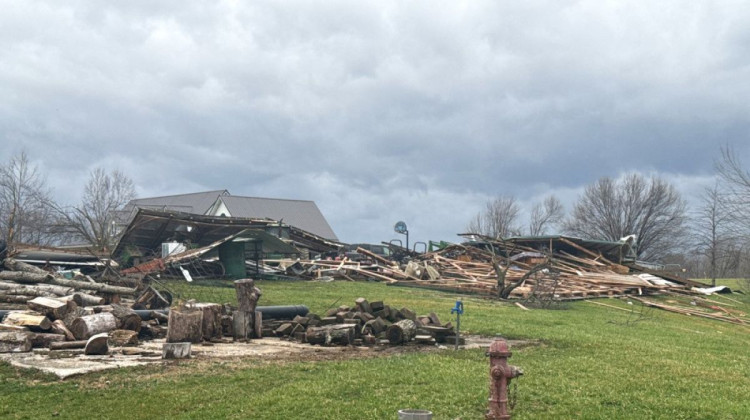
(195,203)
(302,214)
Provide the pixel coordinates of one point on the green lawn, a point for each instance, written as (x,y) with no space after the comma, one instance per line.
(592,362)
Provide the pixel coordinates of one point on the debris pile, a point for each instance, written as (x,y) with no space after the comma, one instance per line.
(365,323)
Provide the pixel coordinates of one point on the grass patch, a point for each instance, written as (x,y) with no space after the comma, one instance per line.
(593,364)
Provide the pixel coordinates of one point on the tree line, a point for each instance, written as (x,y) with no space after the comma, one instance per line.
(710,241)
(30,215)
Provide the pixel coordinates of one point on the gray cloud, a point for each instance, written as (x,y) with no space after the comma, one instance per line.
(378,111)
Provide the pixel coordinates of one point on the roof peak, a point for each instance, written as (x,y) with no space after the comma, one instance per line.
(219,192)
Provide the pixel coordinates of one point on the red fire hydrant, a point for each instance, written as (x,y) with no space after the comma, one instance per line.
(500,375)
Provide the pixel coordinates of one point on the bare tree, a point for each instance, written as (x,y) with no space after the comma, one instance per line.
(94,219)
(498,219)
(24,202)
(737,184)
(545,215)
(652,209)
(712,231)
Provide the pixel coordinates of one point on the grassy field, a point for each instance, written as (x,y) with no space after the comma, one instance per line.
(591,362)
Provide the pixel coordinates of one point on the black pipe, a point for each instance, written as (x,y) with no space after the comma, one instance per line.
(269,312)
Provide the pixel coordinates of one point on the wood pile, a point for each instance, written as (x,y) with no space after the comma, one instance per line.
(364,323)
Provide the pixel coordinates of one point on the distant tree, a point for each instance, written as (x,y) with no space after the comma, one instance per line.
(94,219)
(545,215)
(736,181)
(25,204)
(650,208)
(713,231)
(498,220)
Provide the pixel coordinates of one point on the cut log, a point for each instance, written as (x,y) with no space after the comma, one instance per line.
(376,326)
(15,298)
(14,342)
(227,328)
(68,345)
(97,345)
(45,290)
(184,325)
(84,299)
(122,338)
(176,351)
(126,318)
(247,295)
(87,326)
(15,265)
(33,321)
(401,332)
(44,339)
(26,277)
(58,327)
(211,327)
(75,314)
(8,327)
(23,277)
(52,308)
(242,325)
(163,319)
(341,334)
(258,324)
(363,305)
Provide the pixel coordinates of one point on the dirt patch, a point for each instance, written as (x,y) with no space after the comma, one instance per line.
(209,356)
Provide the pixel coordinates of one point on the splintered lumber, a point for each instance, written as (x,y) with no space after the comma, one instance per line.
(58,327)
(242,325)
(14,342)
(52,308)
(151,299)
(211,327)
(401,332)
(341,334)
(126,318)
(87,326)
(44,339)
(84,299)
(97,345)
(175,351)
(45,290)
(121,338)
(184,325)
(68,345)
(247,295)
(31,320)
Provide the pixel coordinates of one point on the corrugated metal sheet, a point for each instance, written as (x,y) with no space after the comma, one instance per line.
(196,203)
(298,213)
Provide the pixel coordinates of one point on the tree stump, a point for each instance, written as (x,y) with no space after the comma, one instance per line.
(247,295)
(87,326)
(184,325)
(401,332)
(175,351)
(211,326)
(242,325)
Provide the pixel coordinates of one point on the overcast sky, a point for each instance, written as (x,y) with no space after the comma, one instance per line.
(378,111)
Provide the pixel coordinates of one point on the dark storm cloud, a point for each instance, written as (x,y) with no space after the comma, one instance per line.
(378,111)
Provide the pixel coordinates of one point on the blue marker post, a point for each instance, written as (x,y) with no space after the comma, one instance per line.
(458,310)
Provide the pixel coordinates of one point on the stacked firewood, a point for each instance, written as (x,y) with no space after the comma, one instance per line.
(365,323)
(58,313)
